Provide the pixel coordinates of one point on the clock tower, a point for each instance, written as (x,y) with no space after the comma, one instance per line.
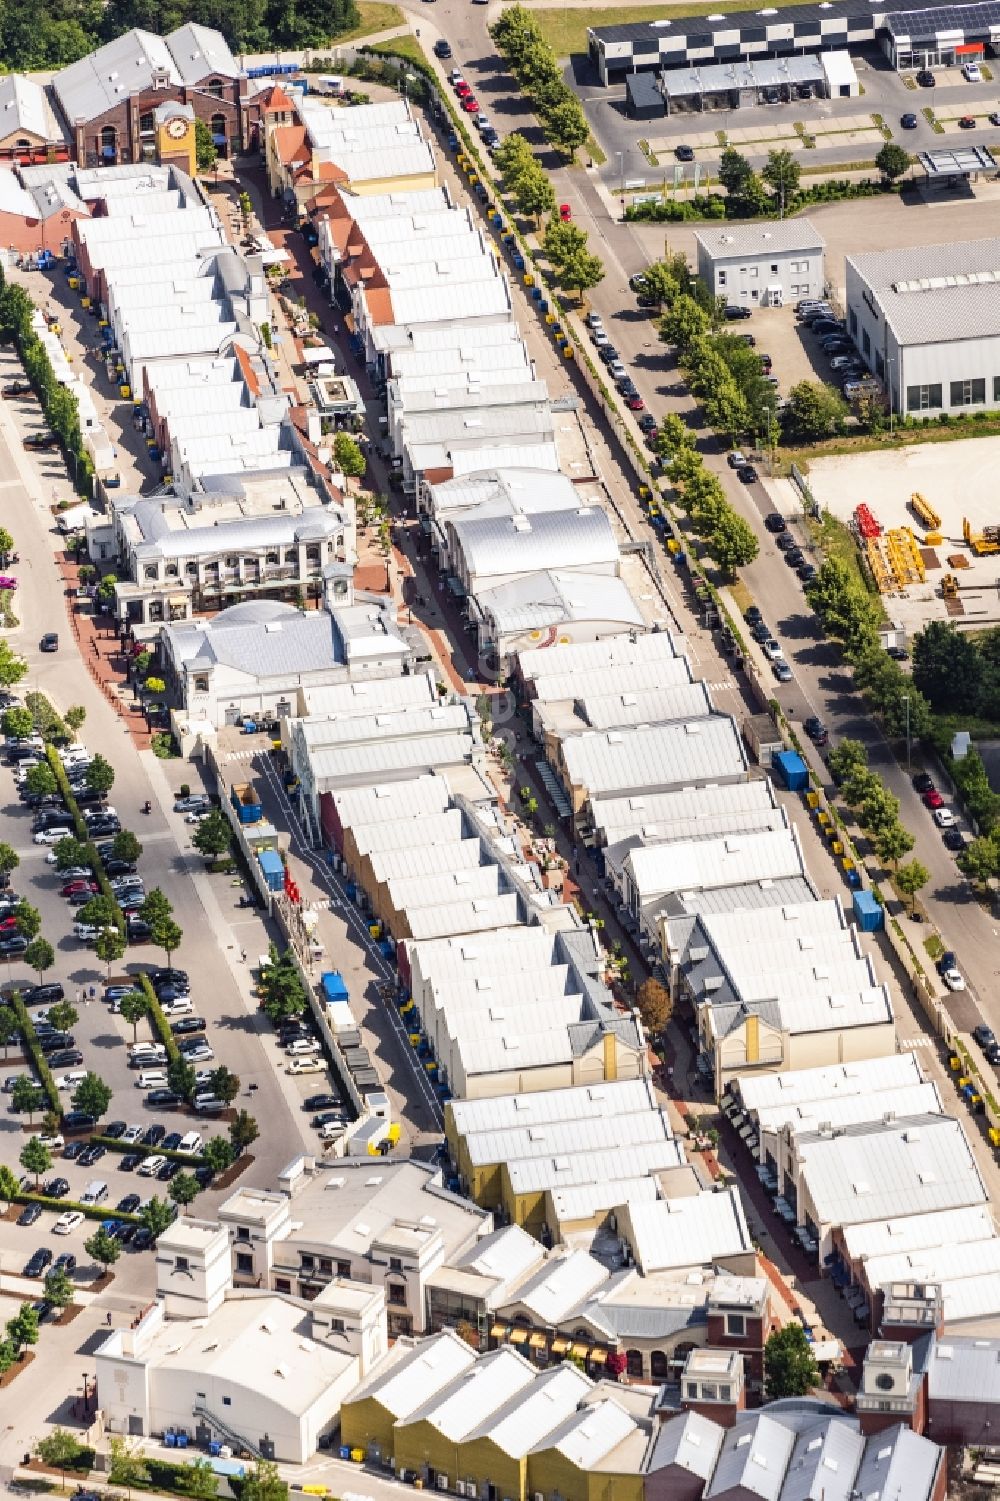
(175,136)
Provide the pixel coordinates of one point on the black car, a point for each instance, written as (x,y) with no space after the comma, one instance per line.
(646,421)
(908,121)
(923,782)
(949,960)
(684,153)
(734,312)
(785,542)
(169,1170)
(162,1097)
(442,48)
(79,1120)
(775,522)
(164,976)
(187,1024)
(328,1117)
(752,614)
(953,839)
(29,1214)
(57,1189)
(18,388)
(54,1042)
(38,1263)
(807,572)
(167,993)
(115,867)
(320,1102)
(115,1129)
(93,1154)
(925,78)
(104,825)
(607,353)
(65,1058)
(795,558)
(204,1175)
(73,1150)
(137,930)
(171,1142)
(43,995)
(143,1239)
(128,1205)
(897,653)
(65,1263)
(760,631)
(130,1161)
(747,474)
(49,642)
(154,1135)
(982,1034)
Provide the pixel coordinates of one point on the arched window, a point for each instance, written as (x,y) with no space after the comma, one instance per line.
(633,1363)
(109,142)
(216,87)
(218,127)
(658,1367)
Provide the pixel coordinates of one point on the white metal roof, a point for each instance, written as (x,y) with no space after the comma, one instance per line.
(446,826)
(917,1232)
(551,1293)
(409,1376)
(657,757)
(588,1435)
(472,915)
(24,109)
(836,1080)
(464,882)
(573,1136)
(758,240)
(533,1413)
(874,1172)
(483,1388)
(944,1263)
(846,1110)
(586,1200)
(605,1100)
(427,860)
(654,814)
(692,1231)
(594,657)
(537,1174)
(662,869)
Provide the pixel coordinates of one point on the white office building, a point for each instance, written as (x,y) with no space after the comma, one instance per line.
(766,264)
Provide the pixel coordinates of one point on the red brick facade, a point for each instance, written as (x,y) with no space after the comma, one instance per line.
(127,132)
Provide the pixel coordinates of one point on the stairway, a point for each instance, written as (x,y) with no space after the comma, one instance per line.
(237,1440)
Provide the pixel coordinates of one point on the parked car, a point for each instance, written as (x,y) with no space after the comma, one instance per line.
(908,121)
(150,1166)
(944,818)
(192,802)
(775,522)
(747,475)
(684,153)
(29,1214)
(923,782)
(782,671)
(933,799)
(734,313)
(65,1225)
(305,1066)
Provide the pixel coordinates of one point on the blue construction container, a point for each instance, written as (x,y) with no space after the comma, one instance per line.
(272,869)
(792,770)
(334,988)
(869,914)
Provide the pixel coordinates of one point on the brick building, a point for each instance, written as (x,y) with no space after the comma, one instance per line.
(110,97)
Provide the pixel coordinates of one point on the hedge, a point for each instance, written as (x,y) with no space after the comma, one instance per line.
(83,833)
(160,1024)
(38,1058)
(115,1144)
(63,1206)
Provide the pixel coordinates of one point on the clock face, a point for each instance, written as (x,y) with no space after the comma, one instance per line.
(177,128)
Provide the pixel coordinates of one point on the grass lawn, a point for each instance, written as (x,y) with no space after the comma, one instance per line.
(402,46)
(376,15)
(566,30)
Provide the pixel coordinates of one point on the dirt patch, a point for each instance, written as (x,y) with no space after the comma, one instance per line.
(236,1170)
(69,1314)
(100,1283)
(21,1364)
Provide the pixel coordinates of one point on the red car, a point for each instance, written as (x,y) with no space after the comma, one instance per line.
(933,799)
(462,89)
(470,104)
(565,212)
(636,404)
(73,888)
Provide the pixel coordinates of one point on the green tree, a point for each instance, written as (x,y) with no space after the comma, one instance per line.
(675,436)
(18,723)
(126,1466)
(71,854)
(40,780)
(106,589)
(217,1153)
(74,719)
(263,1483)
(205,153)
(848,614)
(566,127)
(947,668)
(184,1189)
(22,1329)
(9,861)
(100,912)
(157,1215)
(12,667)
(891,843)
(213,835)
(280,985)
(109,947)
(815,411)
(10,1186)
(125,846)
(103,1248)
(654,1005)
(9,1028)
(156,686)
(732,542)
(660,283)
(581,272)
(58,1288)
(26,1098)
(155,907)
(534,193)
(39,956)
(878,810)
(100,775)
(182,1077)
(92,1095)
(734,172)
(243,1132)
(910,878)
(348,456)
(727,410)
(28,920)
(6,545)
(64,1016)
(789,1367)
(225,1085)
(845,758)
(199,1480)
(134,1007)
(60,1450)
(980,860)
(684,322)
(167,936)
(562,241)
(35,1157)
(781,172)
(892,161)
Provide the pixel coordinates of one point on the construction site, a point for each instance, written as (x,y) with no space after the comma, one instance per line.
(927,524)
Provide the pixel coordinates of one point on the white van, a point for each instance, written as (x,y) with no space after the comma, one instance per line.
(150,1050)
(72,1079)
(154,1078)
(190,1143)
(95,1192)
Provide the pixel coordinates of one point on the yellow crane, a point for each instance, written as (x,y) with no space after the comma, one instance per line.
(982,543)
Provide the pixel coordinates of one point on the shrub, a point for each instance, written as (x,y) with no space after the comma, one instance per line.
(160,1024)
(38,1058)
